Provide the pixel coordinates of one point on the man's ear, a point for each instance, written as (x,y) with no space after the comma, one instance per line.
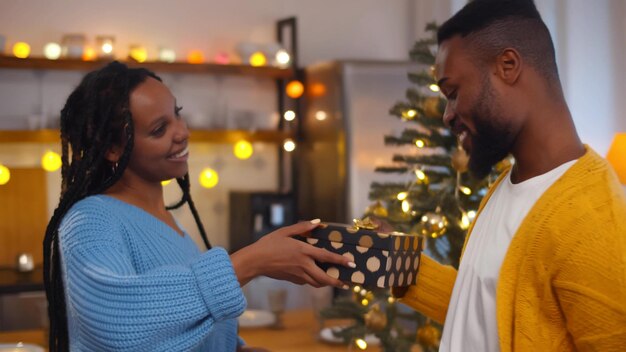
(509,65)
(114,154)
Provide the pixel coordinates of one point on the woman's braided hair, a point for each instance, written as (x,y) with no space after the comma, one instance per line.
(95,117)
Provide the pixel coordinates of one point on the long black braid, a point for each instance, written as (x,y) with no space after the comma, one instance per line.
(95,117)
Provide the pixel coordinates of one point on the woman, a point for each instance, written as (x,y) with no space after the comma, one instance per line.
(120,273)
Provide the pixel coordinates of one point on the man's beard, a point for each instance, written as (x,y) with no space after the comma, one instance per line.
(493,140)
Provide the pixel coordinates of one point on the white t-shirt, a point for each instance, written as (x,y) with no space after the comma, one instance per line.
(471,319)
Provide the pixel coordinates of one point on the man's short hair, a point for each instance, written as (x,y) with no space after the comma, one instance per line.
(490,26)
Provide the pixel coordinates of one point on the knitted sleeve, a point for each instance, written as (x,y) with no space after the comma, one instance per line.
(172,307)
(590,283)
(432,290)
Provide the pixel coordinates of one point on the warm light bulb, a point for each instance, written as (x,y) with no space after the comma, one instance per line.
(21,50)
(391,300)
(420,143)
(52,51)
(360,343)
(406,206)
(471,214)
(320,115)
(282,58)
(411,113)
(465,221)
(402,195)
(195,57)
(167,55)
(294,89)
(258,59)
(317,89)
(51,161)
(243,150)
(289,145)
(89,54)
(5,175)
(356,289)
(466,190)
(138,53)
(365,302)
(107,48)
(434,87)
(166,182)
(420,174)
(208,178)
(290,115)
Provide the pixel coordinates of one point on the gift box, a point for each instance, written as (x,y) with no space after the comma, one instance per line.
(382,259)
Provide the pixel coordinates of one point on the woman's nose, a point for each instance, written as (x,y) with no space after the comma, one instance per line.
(182,132)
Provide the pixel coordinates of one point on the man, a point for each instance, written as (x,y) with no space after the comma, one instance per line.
(544,265)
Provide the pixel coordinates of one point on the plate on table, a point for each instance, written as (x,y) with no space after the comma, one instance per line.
(252,318)
(20,347)
(326,335)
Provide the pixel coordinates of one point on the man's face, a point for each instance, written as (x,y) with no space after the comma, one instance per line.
(474,111)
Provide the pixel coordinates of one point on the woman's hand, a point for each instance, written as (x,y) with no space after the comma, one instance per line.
(251,349)
(280,256)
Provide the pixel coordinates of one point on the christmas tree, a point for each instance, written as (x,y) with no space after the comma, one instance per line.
(438,202)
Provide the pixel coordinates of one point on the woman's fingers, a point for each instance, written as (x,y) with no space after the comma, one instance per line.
(302,228)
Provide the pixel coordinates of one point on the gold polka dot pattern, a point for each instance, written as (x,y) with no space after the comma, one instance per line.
(382,260)
(373,264)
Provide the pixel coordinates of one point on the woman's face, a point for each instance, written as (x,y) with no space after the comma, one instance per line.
(161,135)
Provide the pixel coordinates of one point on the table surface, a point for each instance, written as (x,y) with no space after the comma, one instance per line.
(299,335)
(13,281)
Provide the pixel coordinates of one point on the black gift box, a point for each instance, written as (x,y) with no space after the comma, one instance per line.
(382,259)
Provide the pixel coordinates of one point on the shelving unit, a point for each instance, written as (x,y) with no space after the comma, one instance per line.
(10,62)
(210,136)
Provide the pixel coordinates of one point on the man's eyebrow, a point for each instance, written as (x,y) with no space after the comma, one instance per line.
(442,81)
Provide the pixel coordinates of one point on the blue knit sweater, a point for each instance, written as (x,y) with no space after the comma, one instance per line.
(132,283)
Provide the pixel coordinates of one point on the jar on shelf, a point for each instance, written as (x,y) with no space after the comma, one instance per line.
(72,46)
(105,46)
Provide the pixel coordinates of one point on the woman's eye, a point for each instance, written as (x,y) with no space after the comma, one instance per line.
(159,131)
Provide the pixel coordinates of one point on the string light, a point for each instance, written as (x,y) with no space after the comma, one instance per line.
(465,221)
(471,214)
(208,178)
(138,53)
(89,54)
(289,145)
(52,51)
(411,113)
(243,149)
(282,58)
(356,289)
(434,88)
(21,50)
(406,206)
(5,174)
(195,57)
(466,190)
(420,143)
(289,115)
(257,59)
(391,300)
(402,195)
(360,343)
(167,55)
(320,115)
(51,161)
(294,89)
(420,175)
(365,302)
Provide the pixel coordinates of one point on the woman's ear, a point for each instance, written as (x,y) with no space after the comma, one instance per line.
(114,154)
(509,65)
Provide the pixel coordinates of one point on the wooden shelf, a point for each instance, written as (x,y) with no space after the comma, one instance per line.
(36,63)
(200,136)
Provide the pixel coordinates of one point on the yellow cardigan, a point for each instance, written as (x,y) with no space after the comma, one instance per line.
(562,284)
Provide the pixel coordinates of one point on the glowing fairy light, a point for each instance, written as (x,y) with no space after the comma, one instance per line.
(402,195)
(434,88)
(5,175)
(208,178)
(243,150)
(420,143)
(51,161)
(289,115)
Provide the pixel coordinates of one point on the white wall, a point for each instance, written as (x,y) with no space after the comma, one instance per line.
(328,29)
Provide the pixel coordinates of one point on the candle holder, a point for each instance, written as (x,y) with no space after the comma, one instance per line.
(72,46)
(105,46)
